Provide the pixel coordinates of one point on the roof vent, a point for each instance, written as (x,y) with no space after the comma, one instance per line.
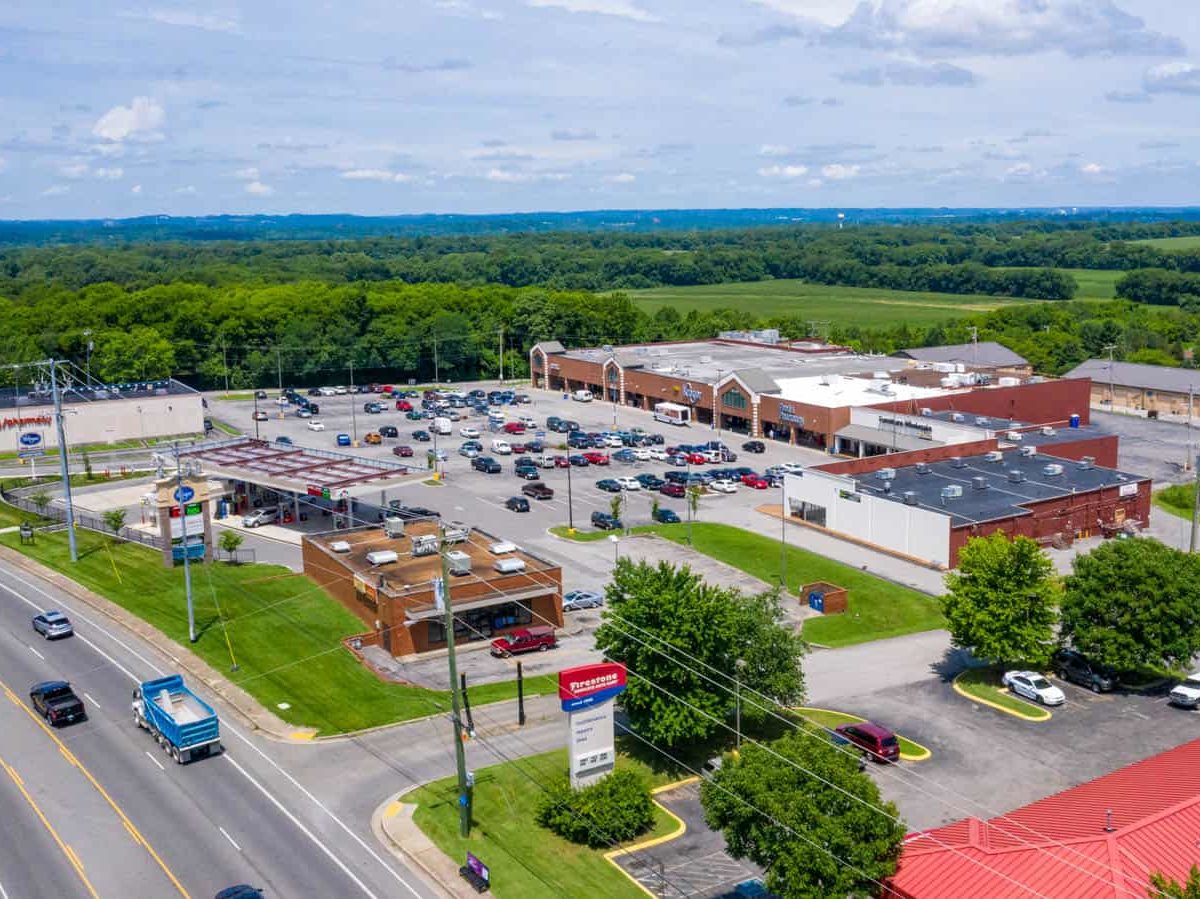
(886,474)
(910,498)
(382,556)
(1048,431)
(979,483)
(994,456)
(921,468)
(958,462)
(1029,451)
(983,421)
(1052,470)
(957,416)
(952,491)
(1016,476)
(1086,462)
(340,546)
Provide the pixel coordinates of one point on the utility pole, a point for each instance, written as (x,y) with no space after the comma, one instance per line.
(1187,460)
(225,364)
(256,437)
(88,350)
(353,403)
(716,400)
(1195,511)
(442,592)
(783,507)
(1112,391)
(570,500)
(502,355)
(279,369)
(436,376)
(63,463)
(187,569)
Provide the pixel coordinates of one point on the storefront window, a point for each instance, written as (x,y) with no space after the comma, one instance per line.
(479,624)
(735,399)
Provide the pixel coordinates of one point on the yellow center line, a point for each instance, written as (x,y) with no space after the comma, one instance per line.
(129,825)
(66,850)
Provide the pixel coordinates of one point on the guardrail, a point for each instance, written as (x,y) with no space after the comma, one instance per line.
(84,519)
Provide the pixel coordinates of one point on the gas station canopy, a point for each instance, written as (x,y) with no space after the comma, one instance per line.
(297,469)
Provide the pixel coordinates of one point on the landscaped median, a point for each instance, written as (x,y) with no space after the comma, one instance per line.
(983,685)
(828,718)
(527,861)
(281,629)
(877,608)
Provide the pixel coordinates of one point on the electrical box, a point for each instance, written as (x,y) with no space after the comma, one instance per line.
(393,527)
(458,562)
(425,545)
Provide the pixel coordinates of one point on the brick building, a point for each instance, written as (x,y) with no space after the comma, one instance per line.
(1150,390)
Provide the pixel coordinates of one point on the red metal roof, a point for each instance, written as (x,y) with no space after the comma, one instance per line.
(1062,847)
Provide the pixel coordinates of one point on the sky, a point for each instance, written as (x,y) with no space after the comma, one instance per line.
(111,108)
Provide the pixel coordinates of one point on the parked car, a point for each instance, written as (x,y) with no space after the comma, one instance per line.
(538,490)
(609,485)
(561,461)
(421,436)
(629,483)
(471,433)
(578,461)
(754,446)
(519,449)
(649,481)
(265,515)
(723,485)
(514,427)
(665,516)
(403,450)
(659,455)
(517,504)
(756,481)
(553,422)
(877,742)
(342,440)
(1074,667)
(486,464)
(314,425)
(595,458)
(260,415)
(1186,694)
(528,472)
(678,491)
(373,438)
(1033,686)
(53,625)
(625,455)
(303,412)
(575,600)
(531,639)
(55,701)
(605,522)
(467,451)
(372,408)
(501,448)
(403,406)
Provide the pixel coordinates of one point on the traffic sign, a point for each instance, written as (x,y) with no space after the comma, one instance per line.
(31,453)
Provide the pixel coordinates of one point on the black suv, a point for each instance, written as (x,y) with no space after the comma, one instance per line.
(605,522)
(486,464)
(55,701)
(753,446)
(1073,667)
(389,431)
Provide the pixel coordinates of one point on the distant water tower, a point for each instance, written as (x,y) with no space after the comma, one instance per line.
(841,220)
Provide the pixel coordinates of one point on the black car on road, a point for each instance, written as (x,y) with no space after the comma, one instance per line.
(421,436)
(55,701)
(605,522)
(665,516)
(486,464)
(754,446)
(517,504)
(1074,667)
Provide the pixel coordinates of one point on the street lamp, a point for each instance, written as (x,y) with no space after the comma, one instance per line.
(570,499)
(717,403)
(88,334)
(738,666)
(616,542)
(256,415)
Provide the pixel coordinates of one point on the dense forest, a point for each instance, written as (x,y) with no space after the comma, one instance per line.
(251,313)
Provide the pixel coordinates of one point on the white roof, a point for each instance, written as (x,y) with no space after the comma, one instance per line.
(833,391)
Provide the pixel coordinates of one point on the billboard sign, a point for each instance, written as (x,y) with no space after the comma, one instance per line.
(30,439)
(590,685)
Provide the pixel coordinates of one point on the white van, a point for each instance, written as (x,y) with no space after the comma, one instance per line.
(582,396)
(441,426)
(501,448)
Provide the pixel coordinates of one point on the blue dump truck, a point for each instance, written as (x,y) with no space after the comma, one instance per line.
(185,726)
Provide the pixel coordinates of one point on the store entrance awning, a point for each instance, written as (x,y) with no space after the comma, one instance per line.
(885,437)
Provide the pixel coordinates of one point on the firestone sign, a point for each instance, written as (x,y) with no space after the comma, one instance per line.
(586,694)
(590,685)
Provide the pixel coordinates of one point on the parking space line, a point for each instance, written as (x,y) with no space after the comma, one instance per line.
(36,653)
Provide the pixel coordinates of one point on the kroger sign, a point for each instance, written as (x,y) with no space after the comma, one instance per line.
(184,494)
(588,685)
(29,438)
(691,394)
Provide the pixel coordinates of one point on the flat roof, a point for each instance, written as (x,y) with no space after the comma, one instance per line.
(39,394)
(885,437)
(835,391)
(1001,497)
(293,468)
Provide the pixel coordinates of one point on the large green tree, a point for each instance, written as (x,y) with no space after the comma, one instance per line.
(1000,602)
(682,639)
(1163,887)
(801,809)
(1134,602)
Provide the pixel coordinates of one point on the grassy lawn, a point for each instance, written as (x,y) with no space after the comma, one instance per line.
(877,608)
(283,630)
(1191,242)
(526,862)
(1178,499)
(984,683)
(10,516)
(847,305)
(1094,284)
(224,428)
(831,719)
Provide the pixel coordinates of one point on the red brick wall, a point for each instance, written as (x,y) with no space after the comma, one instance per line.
(1045,403)
(911,457)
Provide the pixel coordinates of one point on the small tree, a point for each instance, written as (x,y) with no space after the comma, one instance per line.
(655,505)
(87,466)
(803,811)
(115,520)
(613,810)
(41,499)
(230,541)
(614,505)
(1166,888)
(1000,603)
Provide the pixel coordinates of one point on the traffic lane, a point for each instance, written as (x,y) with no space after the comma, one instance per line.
(295,840)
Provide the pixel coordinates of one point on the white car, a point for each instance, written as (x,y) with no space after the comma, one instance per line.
(723,486)
(792,467)
(1032,685)
(282,401)
(340,391)
(628,483)
(545,462)
(501,448)
(613,442)
(1187,694)
(641,454)
(658,454)
(327,391)
(528,420)
(470,433)
(314,425)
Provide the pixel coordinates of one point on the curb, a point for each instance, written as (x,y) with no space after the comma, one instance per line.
(995,705)
(678,832)
(925,753)
(392,807)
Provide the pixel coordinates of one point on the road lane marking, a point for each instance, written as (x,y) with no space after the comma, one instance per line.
(66,850)
(232,841)
(156,761)
(3,892)
(129,825)
(36,653)
(92,700)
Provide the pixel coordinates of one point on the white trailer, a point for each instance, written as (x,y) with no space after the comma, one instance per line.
(672,413)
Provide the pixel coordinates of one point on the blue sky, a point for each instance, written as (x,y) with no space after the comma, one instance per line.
(117,108)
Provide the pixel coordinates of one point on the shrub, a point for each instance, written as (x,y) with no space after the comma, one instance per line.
(614,810)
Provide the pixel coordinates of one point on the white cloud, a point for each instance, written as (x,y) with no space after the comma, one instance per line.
(1023,170)
(247,174)
(1092,168)
(73,170)
(186,191)
(376,175)
(56,190)
(1173,78)
(837,171)
(136,189)
(621,8)
(140,120)
(622,178)
(783,171)
(509,176)
(259,189)
(815,182)
(774,150)
(3,164)
(116,173)
(187,19)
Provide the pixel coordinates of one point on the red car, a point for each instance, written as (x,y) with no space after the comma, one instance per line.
(530,639)
(756,481)
(696,458)
(402,450)
(514,427)
(595,458)
(675,490)
(562,462)
(403,406)
(519,449)
(876,741)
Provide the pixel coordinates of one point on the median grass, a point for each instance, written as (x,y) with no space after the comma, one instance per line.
(877,608)
(526,861)
(985,684)
(1178,499)
(830,719)
(282,629)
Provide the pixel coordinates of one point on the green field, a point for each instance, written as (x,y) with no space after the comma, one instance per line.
(844,305)
(1191,242)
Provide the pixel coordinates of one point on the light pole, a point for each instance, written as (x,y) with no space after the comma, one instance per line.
(1112,393)
(737,694)
(716,399)
(88,349)
(353,402)
(441,589)
(783,507)
(570,499)
(187,570)
(256,415)
(616,542)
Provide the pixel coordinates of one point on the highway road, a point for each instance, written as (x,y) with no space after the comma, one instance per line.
(97,809)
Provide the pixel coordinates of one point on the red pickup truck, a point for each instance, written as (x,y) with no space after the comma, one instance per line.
(530,639)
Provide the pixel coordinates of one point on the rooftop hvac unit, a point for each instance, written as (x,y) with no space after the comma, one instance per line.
(1052,470)
(982,420)
(881,376)
(979,483)
(1013,435)
(957,416)
(921,468)
(926,412)
(1009,382)
(1048,431)
(382,556)
(458,562)
(1086,462)
(393,527)
(1029,451)
(1016,476)
(510,565)
(952,491)
(910,498)
(502,547)
(340,546)
(425,545)
(958,462)
(994,456)
(886,474)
